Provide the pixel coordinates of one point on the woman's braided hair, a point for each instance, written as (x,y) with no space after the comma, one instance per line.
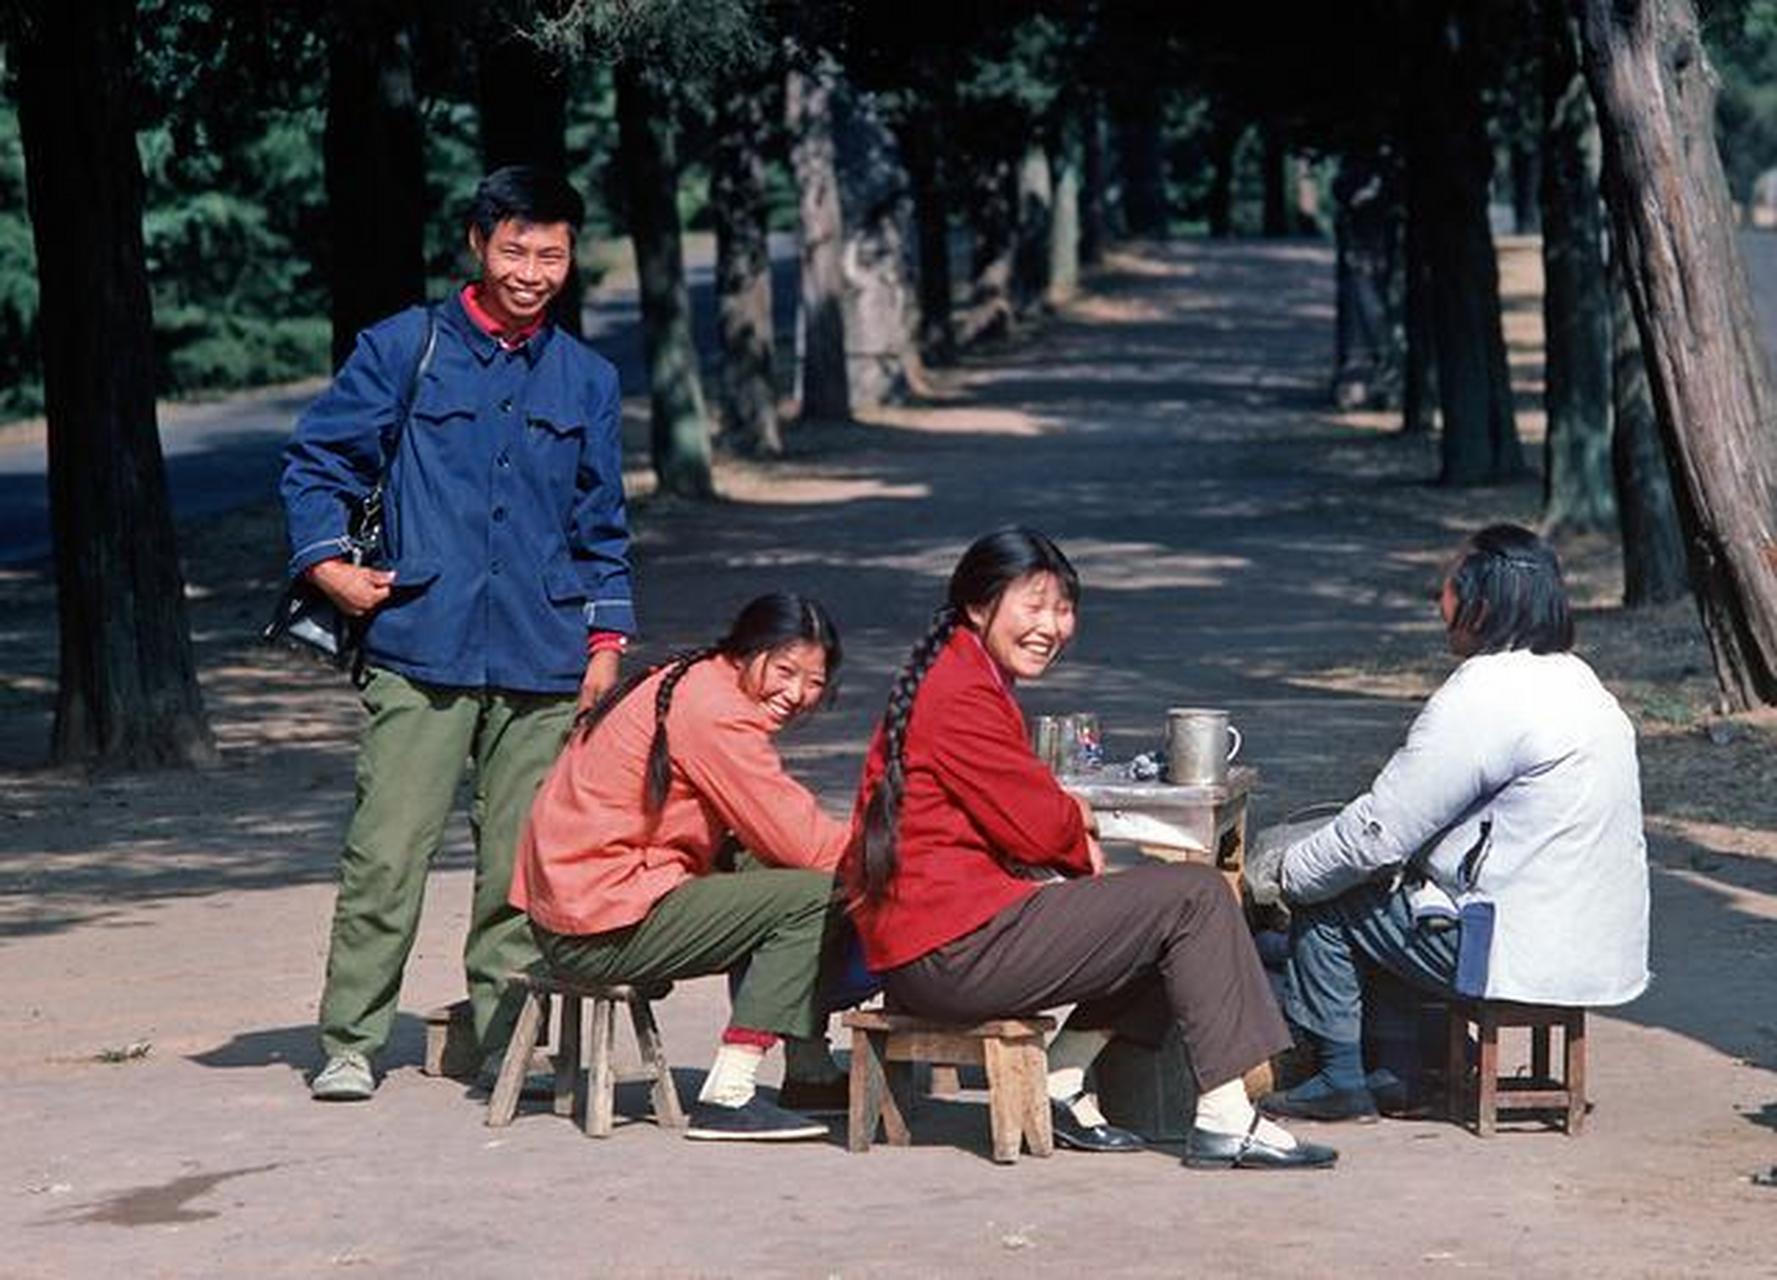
(766,624)
(990,565)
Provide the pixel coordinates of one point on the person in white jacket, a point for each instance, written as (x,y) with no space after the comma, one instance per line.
(1498,854)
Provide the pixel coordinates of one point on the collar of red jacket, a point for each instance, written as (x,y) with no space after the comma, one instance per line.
(484,320)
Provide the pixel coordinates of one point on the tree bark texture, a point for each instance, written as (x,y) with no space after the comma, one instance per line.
(127,693)
(679,432)
(924,155)
(743,269)
(1368,338)
(1654,570)
(376,188)
(522,105)
(1479,442)
(1528,168)
(808,108)
(1276,214)
(1095,183)
(1419,377)
(991,212)
(1655,94)
(878,253)
(1064,220)
(1224,147)
(1142,166)
(1036,218)
(1578,484)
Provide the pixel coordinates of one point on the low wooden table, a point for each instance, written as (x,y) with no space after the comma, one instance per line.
(1175,823)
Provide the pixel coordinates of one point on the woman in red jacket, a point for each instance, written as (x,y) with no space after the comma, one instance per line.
(617,865)
(953,800)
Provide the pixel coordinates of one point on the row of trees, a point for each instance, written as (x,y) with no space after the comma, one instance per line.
(1042,130)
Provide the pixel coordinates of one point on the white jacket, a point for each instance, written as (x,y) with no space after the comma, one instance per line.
(1518,782)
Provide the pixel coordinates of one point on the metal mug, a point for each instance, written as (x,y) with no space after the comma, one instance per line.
(1048,735)
(1198,745)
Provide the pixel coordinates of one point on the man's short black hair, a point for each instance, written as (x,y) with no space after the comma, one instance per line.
(1509,593)
(528,193)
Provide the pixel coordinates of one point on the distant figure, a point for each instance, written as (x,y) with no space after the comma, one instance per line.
(954,801)
(621,864)
(506,592)
(1499,853)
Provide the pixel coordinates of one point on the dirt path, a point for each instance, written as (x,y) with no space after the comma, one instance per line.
(1239,547)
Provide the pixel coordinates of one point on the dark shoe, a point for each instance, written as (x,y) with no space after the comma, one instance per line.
(816,1097)
(1207,1150)
(1353,1106)
(1069,1132)
(755,1120)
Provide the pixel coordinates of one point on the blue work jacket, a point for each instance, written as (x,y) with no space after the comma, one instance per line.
(505,522)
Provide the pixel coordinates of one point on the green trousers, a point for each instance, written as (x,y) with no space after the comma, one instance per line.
(411,758)
(778,921)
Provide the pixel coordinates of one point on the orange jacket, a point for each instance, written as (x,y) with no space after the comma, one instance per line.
(591,859)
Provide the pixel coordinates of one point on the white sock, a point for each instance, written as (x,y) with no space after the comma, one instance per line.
(1070,1053)
(733,1076)
(1226,1109)
(809,1060)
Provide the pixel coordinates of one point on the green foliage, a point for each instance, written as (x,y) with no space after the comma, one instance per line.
(1742,42)
(20,389)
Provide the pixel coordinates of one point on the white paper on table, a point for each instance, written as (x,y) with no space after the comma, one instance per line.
(1144,829)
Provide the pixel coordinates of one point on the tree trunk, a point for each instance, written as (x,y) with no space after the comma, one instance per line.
(1224,143)
(1064,220)
(1480,439)
(1095,229)
(376,180)
(1036,218)
(127,693)
(1419,378)
(877,254)
(1524,161)
(1367,353)
(679,434)
(1655,93)
(992,197)
(808,105)
(1578,486)
(931,212)
(522,104)
(1653,543)
(1277,183)
(1143,170)
(743,269)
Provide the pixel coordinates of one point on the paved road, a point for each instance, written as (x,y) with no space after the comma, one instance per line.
(224,455)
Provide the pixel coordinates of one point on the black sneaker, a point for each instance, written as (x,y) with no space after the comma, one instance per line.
(755,1120)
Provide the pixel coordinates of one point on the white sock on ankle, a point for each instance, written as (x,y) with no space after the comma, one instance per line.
(733,1076)
(1226,1109)
(1070,1053)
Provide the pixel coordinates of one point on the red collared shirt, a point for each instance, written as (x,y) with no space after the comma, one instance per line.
(510,339)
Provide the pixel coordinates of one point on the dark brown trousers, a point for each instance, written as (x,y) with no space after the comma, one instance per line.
(1136,950)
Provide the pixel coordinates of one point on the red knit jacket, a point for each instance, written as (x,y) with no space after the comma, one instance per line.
(976,797)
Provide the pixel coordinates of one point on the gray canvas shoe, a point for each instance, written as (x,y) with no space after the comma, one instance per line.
(347,1077)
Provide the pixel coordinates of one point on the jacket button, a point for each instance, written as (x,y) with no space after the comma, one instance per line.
(493,566)
(505,406)
(499,514)
(505,459)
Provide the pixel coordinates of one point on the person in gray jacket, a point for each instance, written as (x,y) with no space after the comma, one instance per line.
(1498,854)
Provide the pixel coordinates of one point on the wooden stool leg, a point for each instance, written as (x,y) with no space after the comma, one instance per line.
(1539,1053)
(897,1101)
(1033,1071)
(667,1113)
(1456,1066)
(864,1099)
(601,1084)
(1487,1086)
(1573,1038)
(1005,1099)
(502,1104)
(946,1081)
(567,1055)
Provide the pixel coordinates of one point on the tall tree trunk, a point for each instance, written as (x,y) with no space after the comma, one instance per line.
(1224,144)
(1095,181)
(743,268)
(1276,219)
(127,692)
(992,225)
(679,435)
(1064,220)
(1143,170)
(1036,217)
(1419,377)
(376,179)
(1526,165)
(1654,569)
(522,105)
(924,155)
(808,107)
(1479,443)
(1655,93)
(1578,486)
(1367,353)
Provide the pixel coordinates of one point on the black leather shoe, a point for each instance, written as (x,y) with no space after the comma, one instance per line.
(1069,1132)
(1207,1150)
(1345,1106)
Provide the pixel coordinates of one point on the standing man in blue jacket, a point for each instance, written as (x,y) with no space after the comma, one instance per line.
(504,592)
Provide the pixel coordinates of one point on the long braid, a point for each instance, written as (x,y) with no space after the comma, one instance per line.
(882,816)
(660,765)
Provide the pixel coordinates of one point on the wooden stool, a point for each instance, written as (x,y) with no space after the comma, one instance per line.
(450,1042)
(1540,1092)
(884,1047)
(592,1090)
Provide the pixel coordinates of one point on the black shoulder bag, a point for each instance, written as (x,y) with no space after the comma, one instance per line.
(304,618)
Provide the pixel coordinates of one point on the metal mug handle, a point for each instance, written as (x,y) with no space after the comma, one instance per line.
(1235,749)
